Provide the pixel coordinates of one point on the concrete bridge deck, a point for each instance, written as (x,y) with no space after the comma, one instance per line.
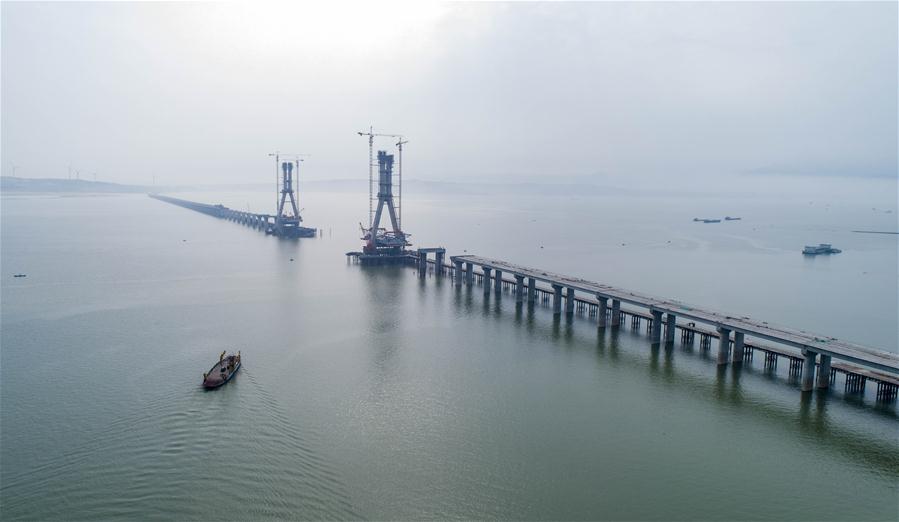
(813,359)
(850,352)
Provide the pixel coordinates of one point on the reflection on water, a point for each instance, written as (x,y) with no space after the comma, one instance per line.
(811,415)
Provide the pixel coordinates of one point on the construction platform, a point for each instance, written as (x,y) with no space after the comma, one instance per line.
(403,258)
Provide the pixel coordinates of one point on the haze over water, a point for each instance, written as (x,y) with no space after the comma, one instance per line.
(581,138)
(368,393)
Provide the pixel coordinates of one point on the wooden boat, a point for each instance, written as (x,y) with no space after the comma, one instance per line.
(222,371)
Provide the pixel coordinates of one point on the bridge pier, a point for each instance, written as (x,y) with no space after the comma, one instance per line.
(824,372)
(616,312)
(532,290)
(557,299)
(498,281)
(723,345)
(438,262)
(738,347)
(808,370)
(457,275)
(656,326)
(486,280)
(469,274)
(569,301)
(422,263)
(519,288)
(670,327)
(602,310)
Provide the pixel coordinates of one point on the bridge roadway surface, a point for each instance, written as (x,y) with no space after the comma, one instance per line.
(860,355)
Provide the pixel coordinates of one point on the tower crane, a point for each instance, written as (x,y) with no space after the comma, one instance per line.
(399,145)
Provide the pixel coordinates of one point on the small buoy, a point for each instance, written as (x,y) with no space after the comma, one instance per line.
(291,259)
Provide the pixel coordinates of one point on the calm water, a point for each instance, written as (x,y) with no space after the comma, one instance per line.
(367,393)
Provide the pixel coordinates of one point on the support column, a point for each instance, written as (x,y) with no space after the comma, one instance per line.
(469,274)
(738,347)
(519,288)
(438,262)
(457,276)
(569,301)
(808,370)
(723,345)
(557,299)
(498,281)
(670,327)
(616,312)
(824,372)
(486,280)
(601,311)
(422,263)
(656,326)
(532,290)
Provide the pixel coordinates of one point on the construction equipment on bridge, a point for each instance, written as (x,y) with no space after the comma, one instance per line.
(287,222)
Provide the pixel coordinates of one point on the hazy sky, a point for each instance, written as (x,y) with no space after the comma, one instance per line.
(605,92)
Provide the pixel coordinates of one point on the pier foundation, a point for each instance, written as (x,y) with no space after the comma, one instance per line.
(602,310)
(422,263)
(656,326)
(557,299)
(723,345)
(739,347)
(808,370)
(824,373)
(438,262)
(670,327)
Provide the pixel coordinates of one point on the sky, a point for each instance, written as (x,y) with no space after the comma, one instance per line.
(630,93)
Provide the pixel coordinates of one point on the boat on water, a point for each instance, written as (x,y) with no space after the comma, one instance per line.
(728,218)
(222,371)
(822,248)
(20,275)
(704,220)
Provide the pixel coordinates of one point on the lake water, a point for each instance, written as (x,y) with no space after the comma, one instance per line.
(369,393)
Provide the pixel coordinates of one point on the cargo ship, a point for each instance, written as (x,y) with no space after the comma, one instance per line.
(822,248)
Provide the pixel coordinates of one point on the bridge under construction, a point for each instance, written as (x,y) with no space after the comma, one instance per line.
(284,223)
(267,223)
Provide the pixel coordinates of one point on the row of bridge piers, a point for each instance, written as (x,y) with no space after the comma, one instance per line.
(257,221)
(268,223)
(811,368)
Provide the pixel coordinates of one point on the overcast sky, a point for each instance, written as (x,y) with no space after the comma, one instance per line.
(608,93)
